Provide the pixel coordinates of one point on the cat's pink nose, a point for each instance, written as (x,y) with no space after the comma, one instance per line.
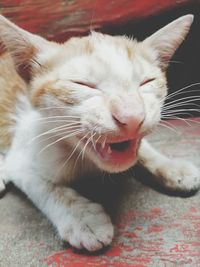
(128,113)
(129,122)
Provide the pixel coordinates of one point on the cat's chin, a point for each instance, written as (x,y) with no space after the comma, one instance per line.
(114,155)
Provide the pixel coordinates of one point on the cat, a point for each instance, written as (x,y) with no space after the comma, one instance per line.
(81,107)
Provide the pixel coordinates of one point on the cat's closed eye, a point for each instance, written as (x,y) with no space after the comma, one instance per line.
(147,81)
(86,84)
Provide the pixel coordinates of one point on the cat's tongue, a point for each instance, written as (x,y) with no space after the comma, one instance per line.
(118,152)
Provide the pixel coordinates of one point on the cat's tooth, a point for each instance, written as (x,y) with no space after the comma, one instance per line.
(109,150)
(103,144)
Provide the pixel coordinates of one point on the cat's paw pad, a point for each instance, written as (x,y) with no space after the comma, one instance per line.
(91,230)
(180,175)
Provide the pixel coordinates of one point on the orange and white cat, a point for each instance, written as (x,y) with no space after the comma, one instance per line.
(82,107)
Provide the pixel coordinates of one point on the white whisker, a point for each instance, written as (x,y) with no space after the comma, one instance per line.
(168,127)
(57,121)
(63,131)
(93,143)
(57,117)
(180,102)
(181,119)
(184,88)
(72,153)
(56,129)
(60,139)
(172,111)
(54,107)
(84,148)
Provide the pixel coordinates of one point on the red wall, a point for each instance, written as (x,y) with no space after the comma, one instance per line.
(60,19)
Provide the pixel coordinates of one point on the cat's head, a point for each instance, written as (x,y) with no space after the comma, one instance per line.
(109,91)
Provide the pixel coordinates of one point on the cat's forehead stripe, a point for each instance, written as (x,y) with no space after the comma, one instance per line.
(50,88)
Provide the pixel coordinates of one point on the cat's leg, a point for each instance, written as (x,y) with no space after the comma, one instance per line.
(79,221)
(3,178)
(175,174)
(2,186)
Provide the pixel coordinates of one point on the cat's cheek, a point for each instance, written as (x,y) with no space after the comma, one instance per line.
(153,108)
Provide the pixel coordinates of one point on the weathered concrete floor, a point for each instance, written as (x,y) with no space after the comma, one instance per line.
(152,228)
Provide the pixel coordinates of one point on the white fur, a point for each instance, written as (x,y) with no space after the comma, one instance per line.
(37,164)
(2,175)
(82,223)
(174,174)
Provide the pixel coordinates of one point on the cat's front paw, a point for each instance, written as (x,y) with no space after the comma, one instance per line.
(179,175)
(89,228)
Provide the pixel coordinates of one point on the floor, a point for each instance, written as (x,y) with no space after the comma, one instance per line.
(153,228)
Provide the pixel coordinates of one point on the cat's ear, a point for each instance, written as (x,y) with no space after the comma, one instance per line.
(23,46)
(166,40)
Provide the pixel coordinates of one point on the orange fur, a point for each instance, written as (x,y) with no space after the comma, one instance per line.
(10,85)
(51,89)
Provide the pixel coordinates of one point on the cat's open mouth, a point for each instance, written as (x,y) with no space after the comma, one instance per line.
(118,153)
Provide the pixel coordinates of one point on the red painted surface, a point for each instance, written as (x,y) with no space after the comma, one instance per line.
(155,239)
(61,19)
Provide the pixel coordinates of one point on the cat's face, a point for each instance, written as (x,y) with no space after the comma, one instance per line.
(110,90)
(114,89)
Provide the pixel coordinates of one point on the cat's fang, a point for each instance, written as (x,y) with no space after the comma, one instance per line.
(103,144)
(119,152)
(109,150)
